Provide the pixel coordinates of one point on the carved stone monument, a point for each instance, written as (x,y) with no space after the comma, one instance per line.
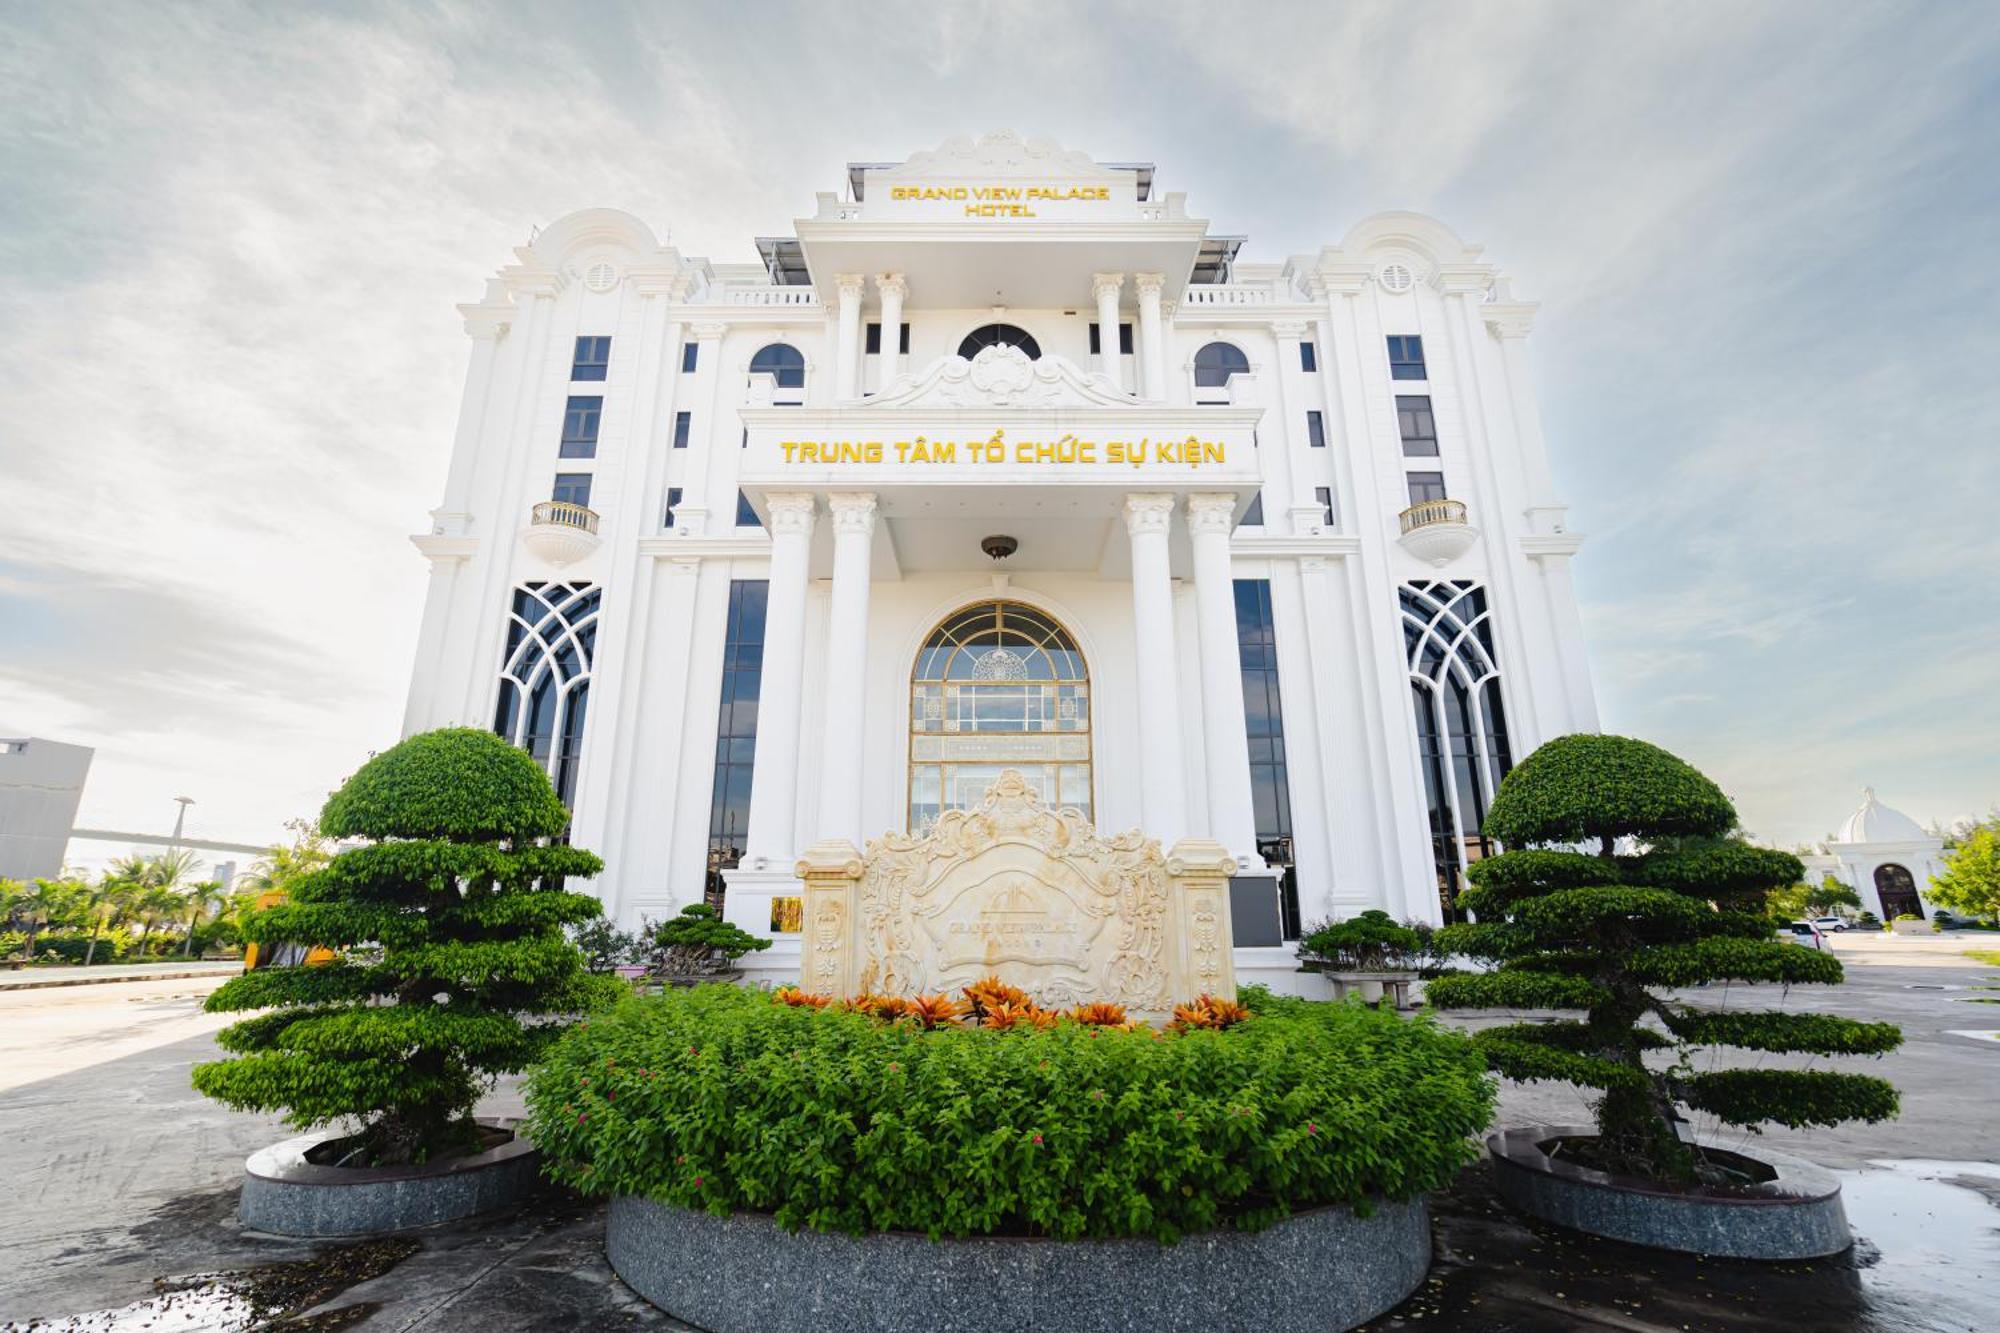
(1033,895)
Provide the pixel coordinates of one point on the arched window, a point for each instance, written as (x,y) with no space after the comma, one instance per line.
(545,676)
(1215,363)
(785,364)
(1896,887)
(999,335)
(998,685)
(1461,723)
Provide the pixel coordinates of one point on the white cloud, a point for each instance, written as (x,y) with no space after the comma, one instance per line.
(234,235)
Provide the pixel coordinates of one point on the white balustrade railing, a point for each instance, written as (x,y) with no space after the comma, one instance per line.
(1429,513)
(1226,294)
(770,296)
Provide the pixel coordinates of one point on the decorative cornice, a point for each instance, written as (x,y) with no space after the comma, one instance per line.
(1516,319)
(1148,512)
(853,512)
(1209,512)
(682,546)
(439,548)
(1288,328)
(708,331)
(1552,546)
(1328,546)
(491,315)
(1455,279)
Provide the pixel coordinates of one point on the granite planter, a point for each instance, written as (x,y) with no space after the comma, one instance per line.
(285,1194)
(1321,1270)
(1794,1214)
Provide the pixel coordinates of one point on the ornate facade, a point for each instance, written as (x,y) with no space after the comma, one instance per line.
(1001,460)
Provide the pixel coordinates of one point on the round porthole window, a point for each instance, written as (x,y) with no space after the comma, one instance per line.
(600,277)
(1397,278)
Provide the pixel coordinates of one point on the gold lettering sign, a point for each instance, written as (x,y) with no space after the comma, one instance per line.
(1000,201)
(997,448)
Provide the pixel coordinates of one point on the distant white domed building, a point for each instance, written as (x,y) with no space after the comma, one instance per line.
(1883,855)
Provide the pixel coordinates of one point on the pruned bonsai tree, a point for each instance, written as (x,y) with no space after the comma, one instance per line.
(1368,942)
(460,886)
(1609,933)
(699,945)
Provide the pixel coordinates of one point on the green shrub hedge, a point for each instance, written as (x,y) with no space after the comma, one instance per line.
(720,1099)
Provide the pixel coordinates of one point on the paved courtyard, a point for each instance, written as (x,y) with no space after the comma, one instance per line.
(119,1174)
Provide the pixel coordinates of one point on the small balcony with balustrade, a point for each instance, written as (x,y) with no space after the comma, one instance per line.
(560,532)
(1436,531)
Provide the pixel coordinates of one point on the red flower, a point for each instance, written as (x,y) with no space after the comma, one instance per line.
(697,1182)
(582,1116)
(691,1050)
(1038,1140)
(1311,1128)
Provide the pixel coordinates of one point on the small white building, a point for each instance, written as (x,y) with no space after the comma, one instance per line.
(1885,856)
(1001,459)
(41,784)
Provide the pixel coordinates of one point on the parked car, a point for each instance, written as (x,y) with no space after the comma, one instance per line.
(1827,924)
(1802,932)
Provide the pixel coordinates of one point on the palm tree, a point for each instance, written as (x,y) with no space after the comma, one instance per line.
(44,904)
(106,898)
(199,898)
(282,865)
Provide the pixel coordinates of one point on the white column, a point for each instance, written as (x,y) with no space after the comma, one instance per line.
(847,347)
(704,403)
(1163,803)
(893,289)
(774,777)
(1232,818)
(1152,335)
(1105,288)
(846,668)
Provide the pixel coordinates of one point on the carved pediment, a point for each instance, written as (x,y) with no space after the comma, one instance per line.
(1001,376)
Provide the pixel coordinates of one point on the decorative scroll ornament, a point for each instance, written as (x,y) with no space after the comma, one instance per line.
(1001,376)
(1034,895)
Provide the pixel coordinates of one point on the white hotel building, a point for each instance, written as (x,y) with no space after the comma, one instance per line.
(1280,561)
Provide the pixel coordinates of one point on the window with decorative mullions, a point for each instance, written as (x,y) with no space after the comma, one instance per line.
(1461,721)
(998,685)
(544,687)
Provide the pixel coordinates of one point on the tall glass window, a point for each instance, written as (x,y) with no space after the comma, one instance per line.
(544,689)
(1416,425)
(998,685)
(1406,357)
(1264,720)
(580,417)
(736,729)
(591,360)
(1461,723)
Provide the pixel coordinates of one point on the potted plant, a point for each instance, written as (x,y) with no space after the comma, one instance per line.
(1610,935)
(697,946)
(450,967)
(1364,953)
(1909,923)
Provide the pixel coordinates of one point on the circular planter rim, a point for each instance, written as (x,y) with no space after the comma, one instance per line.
(1797,1181)
(284,1163)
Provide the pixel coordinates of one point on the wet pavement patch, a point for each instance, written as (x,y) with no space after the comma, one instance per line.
(271,1297)
(1927,1243)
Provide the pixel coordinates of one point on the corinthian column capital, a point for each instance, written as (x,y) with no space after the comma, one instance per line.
(1211,513)
(853,511)
(1106,284)
(1148,512)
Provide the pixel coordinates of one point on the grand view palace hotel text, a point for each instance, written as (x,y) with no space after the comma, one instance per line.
(1002,460)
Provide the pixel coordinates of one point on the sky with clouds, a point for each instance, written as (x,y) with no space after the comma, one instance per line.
(1763,236)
